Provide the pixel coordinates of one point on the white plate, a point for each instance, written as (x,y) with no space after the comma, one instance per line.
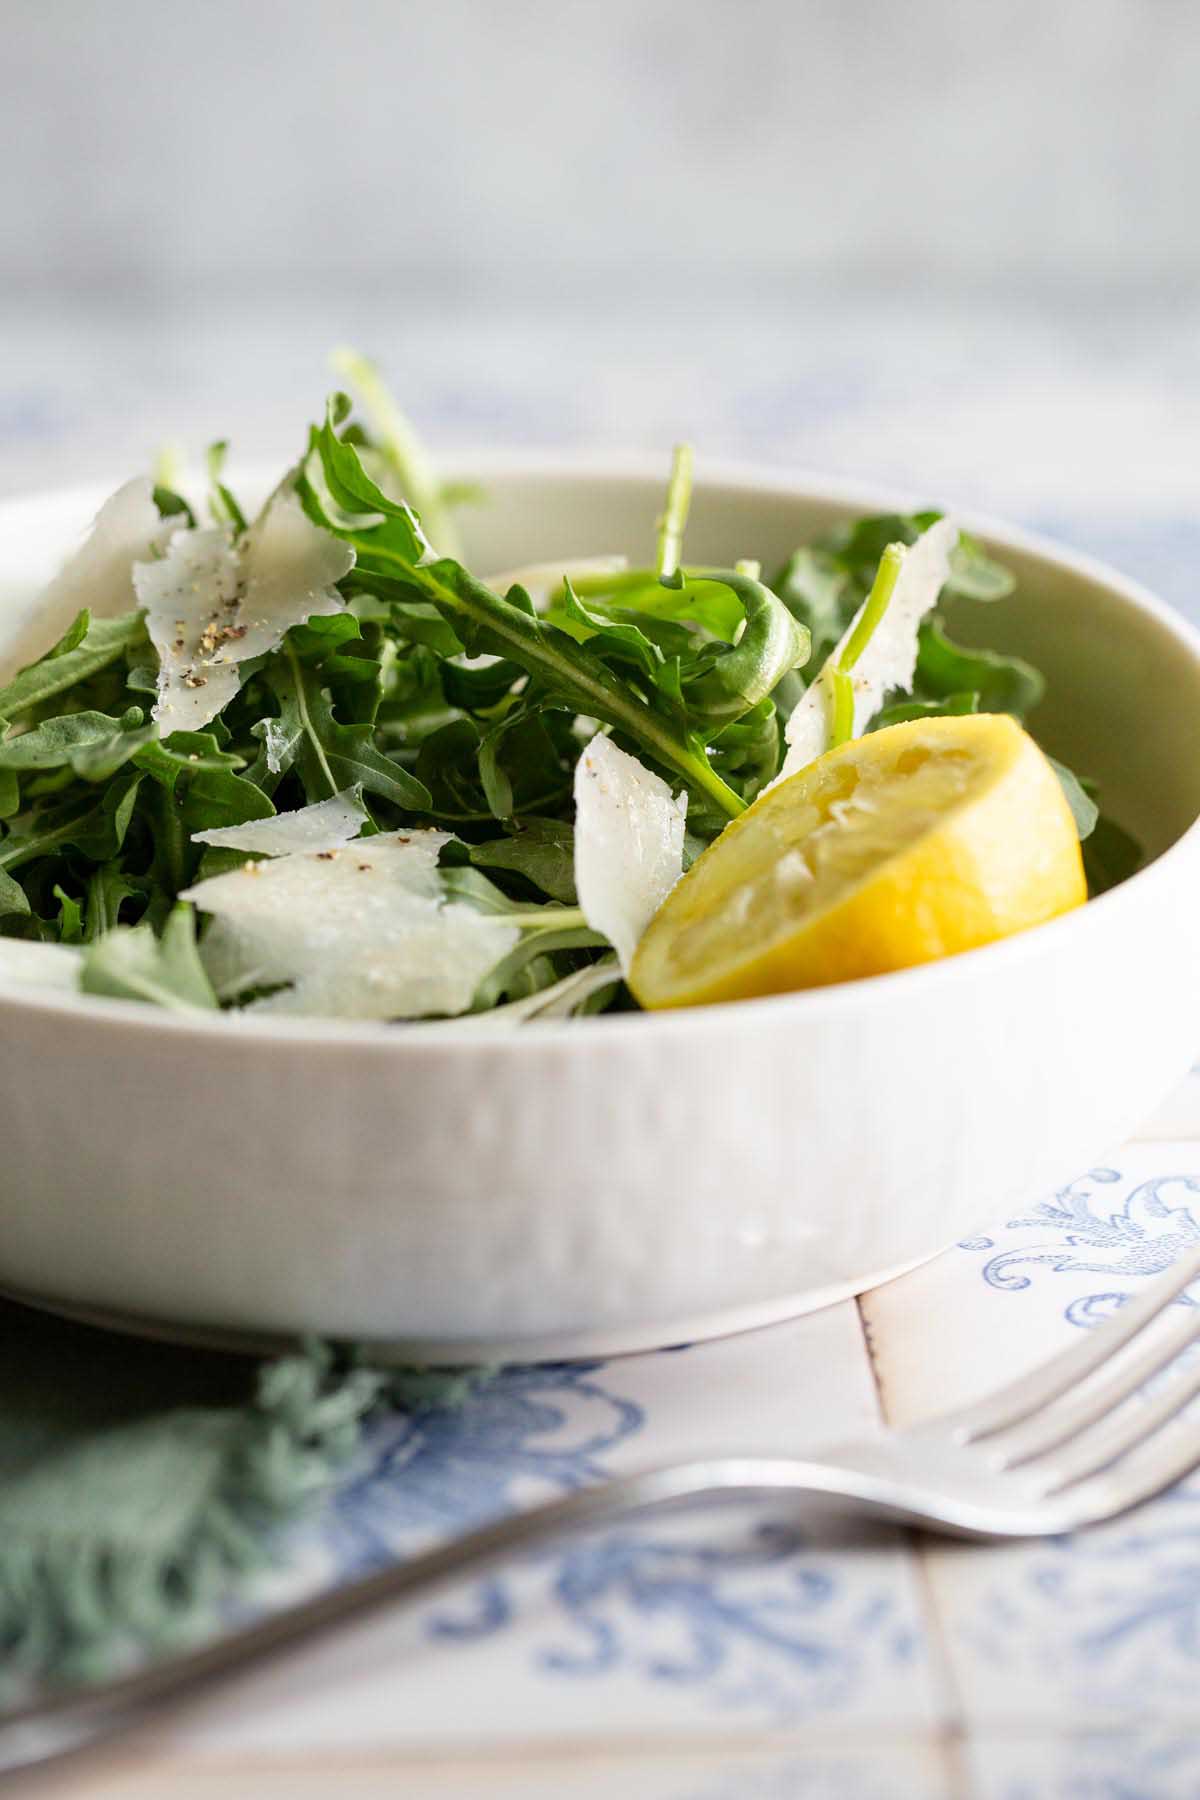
(618,1183)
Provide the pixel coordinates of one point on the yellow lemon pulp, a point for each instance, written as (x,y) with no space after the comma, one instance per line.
(894,849)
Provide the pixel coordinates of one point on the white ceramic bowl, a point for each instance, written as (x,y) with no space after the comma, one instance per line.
(618,1183)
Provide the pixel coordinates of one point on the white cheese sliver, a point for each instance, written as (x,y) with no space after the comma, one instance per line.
(628,843)
(99,575)
(890,657)
(357,932)
(26,964)
(211,605)
(326,825)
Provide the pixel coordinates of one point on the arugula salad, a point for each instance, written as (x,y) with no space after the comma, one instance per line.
(305,761)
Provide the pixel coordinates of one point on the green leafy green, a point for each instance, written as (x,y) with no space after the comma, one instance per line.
(131,963)
(542,850)
(1084,810)
(445,703)
(89,646)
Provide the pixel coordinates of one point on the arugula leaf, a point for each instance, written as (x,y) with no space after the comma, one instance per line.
(542,850)
(1084,810)
(70,917)
(131,963)
(1002,683)
(815,589)
(330,756)
(108,889)
(1110,856)
(83,741)
(388,541)
(172,505)
(13,898)
(73,660)
(96,827)
(953,706)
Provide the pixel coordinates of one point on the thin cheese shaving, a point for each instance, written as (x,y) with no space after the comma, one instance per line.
(211,604)
(99,575)
(326,825)
(628,843)
(890,657)
(358,932)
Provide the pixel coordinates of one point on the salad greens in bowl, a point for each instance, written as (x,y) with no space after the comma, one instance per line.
(376,784)
(326,852)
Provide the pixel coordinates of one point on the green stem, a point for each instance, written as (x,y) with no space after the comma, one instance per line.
(877,603)
(841,728)
(561,918)
(310,730)
(674,518)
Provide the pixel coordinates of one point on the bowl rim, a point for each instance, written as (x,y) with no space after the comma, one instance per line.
(458,1035)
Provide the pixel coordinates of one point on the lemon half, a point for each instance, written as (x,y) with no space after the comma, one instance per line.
(910,844)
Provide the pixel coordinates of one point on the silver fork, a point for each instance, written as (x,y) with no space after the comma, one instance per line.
(1069,1444)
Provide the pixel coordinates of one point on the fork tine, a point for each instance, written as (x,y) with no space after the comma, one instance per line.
(1141,1478)
(1059,1422)
(1019,1399)
(1131,1427)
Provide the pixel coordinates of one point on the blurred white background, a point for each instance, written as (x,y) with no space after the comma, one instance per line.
(951,246)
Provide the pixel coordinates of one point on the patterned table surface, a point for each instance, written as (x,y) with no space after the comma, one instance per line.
(739,1655)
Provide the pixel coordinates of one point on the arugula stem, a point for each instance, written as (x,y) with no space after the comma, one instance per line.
(306,718)
(841,728)
(877,603)
(558,918)
(674,518)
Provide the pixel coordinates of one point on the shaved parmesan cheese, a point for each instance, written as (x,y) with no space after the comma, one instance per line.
(211,605)
(326,825)
(541,580)
(890,657)
(99,576)
(360,932)
(628,843)
(27,964)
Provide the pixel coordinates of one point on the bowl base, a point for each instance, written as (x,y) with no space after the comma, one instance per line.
(625,1340)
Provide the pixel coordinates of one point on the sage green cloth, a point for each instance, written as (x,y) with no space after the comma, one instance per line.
(139,1482)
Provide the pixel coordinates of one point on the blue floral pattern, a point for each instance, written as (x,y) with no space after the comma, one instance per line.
(750,1613)
(1078,1234)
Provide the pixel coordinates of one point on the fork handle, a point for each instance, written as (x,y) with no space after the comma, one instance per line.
(75,1718)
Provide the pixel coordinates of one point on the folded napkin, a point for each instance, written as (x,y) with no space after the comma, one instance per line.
(140,1483)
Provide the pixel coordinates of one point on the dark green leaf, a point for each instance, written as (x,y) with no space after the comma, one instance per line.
(92,743)
(1003,683)
(1110,856)
(331,756)
(172,505)
(13,898)
(542,850)
(108,889)
(903,710)
(105,641)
